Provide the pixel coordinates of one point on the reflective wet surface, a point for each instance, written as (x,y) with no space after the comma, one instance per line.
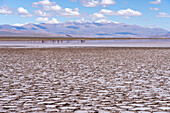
(87,43)
(84,41)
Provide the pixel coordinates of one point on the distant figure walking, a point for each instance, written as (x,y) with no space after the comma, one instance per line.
(82,41)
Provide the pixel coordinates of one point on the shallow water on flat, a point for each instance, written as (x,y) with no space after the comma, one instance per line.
(89,43)
(84,41)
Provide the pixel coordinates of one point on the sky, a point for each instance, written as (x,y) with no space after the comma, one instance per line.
(145,13)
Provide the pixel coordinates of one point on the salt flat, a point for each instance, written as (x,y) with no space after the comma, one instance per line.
(85,80)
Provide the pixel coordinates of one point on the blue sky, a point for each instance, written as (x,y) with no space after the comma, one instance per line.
(147,13)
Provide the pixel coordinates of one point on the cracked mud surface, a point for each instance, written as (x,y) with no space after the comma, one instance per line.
(85,80)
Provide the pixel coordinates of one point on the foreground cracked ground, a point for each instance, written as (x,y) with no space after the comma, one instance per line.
(85,80)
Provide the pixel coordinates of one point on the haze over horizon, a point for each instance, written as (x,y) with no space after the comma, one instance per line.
(145,13)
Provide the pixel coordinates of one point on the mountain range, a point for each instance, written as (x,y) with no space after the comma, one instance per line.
(83,29)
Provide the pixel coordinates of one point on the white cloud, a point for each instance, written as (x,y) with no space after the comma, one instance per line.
(89,3)
(106,21)
(103,21)
(46,20)
(107,12)
(128,12)
(71,12)
(82,20)
(52,8)
(94,3)
(41,13)
(156,9)
(107,2)
(162,14)
(53,21)
(76,9)
(5,10)
(156,2)
(98,15)
(42,19)
(43,2)
(23,12)
(46,9)
(17,24)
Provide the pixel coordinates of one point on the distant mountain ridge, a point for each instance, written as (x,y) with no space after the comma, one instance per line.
(166,35)
(86,29)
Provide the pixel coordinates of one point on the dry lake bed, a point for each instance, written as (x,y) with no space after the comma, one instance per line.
(85,80)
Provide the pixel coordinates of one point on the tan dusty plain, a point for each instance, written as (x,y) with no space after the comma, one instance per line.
(85,80)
